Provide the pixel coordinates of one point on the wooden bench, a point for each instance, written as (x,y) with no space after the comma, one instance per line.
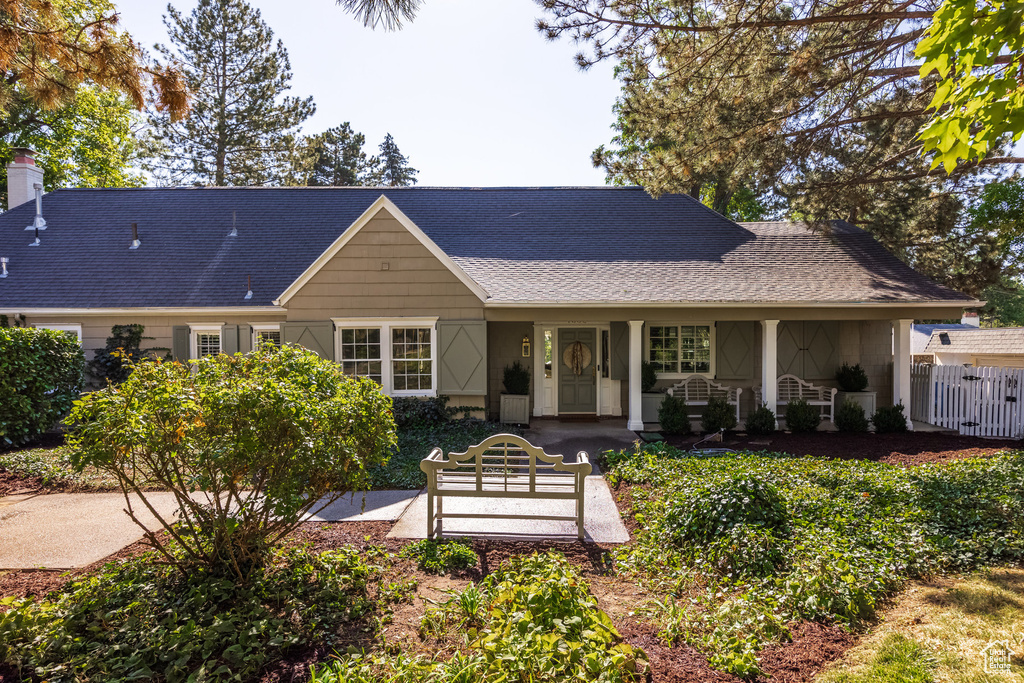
(792,388)
(697,389)
(503,466)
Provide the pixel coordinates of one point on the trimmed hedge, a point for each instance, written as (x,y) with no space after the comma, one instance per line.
(40,377)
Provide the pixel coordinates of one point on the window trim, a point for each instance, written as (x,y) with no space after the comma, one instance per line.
(385,325)
(670,323)
(256,328)
(193,338)
(61,327)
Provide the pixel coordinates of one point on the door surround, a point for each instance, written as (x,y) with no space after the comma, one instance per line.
(554,327)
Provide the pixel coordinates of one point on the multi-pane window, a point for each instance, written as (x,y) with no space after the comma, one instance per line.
(272,337)
(680,349)
(411,362)
(360,352)
(207,344)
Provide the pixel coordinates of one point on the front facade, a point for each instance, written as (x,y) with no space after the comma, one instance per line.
(435,291)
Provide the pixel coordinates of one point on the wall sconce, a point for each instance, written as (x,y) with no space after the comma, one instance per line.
(526,346)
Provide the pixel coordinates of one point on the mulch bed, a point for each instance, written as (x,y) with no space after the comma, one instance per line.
(911,448)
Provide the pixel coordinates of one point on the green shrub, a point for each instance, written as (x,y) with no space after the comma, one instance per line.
(761,421)
(851,377)
(850,417)
(648,376)
(441,556)
(143,621)
(111,364)
(413,411)
(270,434)
(40,377)
(802,417)
(517,379)
(890,419)
(710,510)
(718,415)
(673,415)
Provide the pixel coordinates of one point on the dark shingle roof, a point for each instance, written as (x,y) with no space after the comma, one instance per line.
(597,244)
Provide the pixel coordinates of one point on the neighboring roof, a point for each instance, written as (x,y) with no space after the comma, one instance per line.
(920,335)
(522,245)
(994,340)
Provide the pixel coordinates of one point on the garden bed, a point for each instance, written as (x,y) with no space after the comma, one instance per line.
(911,448)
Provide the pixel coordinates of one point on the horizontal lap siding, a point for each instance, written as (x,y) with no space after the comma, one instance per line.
(352,284)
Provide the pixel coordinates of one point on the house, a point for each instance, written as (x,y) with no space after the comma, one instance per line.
(921,334)
(995,346)
(436,290)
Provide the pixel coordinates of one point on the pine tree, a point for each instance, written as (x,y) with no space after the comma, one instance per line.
(394,169)
(242,127)
(334,158)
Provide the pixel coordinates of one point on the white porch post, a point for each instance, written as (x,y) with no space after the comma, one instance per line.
(769,365)
(538,370)
(636,422)
(901,366)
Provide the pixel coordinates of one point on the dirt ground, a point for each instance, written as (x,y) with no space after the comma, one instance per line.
(911,448)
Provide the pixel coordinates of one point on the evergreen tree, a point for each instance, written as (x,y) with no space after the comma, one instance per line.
(242,127)
(393,169)
(334,158)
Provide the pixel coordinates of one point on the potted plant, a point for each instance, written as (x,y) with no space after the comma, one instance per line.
(650,400)
(515,402)
(853,384)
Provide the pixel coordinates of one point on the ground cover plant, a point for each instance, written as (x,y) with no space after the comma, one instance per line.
(743,545)
(422,425)
(442,556)
(141,620)
(533,619)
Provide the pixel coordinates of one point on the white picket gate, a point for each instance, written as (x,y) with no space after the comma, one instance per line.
(976,401)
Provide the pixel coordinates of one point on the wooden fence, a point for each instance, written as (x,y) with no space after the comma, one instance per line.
(976,401)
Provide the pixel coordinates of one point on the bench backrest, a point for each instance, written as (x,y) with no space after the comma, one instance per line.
(792,388)
(698,388)
(499,458)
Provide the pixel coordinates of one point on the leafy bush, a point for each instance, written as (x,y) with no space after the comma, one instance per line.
(112,363)
(265,436)
(413,411)
(851,377)
(441,556)
(717,415)
(40,377)
(761,421)
(143,621)
(890,419)
(850,417)
(539,622)
(855,532)
(648,376)
(802,417)
(517,379)
(673,415)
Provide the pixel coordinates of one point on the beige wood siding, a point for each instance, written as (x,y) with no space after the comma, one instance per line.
(355,284)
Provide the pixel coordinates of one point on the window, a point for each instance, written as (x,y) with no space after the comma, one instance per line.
(398,354)
(680,349)
(360,352)
(266,334)
(547,354)
(606,353)
(73,329)
(205,340)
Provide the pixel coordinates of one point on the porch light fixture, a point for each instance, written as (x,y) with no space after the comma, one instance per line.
(526,346)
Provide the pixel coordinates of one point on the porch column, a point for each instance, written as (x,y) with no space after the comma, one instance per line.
(901,366)
(538,370)
(636,422)
(770,365)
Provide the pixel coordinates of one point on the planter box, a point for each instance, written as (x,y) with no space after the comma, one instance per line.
(865,399)
(515,409)
(649,404)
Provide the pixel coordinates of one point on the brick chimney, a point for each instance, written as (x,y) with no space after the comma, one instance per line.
(22,176)
(971,318)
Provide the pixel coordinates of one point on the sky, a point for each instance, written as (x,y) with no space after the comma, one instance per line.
(473,94)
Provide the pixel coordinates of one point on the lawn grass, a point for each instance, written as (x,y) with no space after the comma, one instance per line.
(950,621)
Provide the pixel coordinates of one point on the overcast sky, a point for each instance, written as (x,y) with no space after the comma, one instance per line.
(471,92)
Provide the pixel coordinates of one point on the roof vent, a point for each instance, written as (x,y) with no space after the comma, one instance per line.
(234,230)
(35,242)
(135,237)
(38,223)
(3,266)
(248,294)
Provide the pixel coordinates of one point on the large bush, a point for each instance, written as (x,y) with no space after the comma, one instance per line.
(264,437)
(112,363)
(40,377)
